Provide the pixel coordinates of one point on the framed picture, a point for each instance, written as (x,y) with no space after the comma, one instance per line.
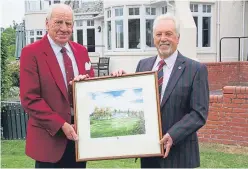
(117,117)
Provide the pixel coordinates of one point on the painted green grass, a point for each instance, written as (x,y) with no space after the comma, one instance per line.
(216,156)
(116,127)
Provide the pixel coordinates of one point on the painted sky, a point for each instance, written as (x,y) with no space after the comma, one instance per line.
(122,99)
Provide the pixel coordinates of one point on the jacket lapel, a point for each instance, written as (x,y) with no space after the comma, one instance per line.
(174,77)
(54,66)
(149,64)
(77,58)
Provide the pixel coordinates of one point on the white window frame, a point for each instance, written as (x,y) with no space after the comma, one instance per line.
(90,23)
(109,15)
(141,13)
(113,28)
(150,14)
(165,9)
(200,16)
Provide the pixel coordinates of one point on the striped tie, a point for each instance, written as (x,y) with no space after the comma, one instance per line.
(160,76)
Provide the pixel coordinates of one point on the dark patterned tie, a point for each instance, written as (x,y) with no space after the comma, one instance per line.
(68,72)
(160,76)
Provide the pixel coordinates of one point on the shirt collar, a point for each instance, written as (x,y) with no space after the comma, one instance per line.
(170,61)
(56,47)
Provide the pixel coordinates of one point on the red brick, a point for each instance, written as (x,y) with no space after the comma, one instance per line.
(243,143)
(239,120)
(229,89)
(239,110)
(217,105)
(239,129)
(211,126)
(225,105)
(213,118)
(227,100)
(238,89)
(226,110)
(204,140)
(242,90)
(229,142)
(239,101)
(216,123)
(222,114)
(229,95)
(223,137)
(242,96)
(244,134)
(238,138)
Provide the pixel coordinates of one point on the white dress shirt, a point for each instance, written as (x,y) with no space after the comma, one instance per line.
(56,49)
(167,69)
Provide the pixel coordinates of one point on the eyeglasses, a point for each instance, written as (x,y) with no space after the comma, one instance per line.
(59,23)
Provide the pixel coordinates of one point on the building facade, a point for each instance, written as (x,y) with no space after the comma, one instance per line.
(122,30)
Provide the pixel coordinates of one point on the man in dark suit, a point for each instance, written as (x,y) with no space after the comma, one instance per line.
(47,68)
(184,91)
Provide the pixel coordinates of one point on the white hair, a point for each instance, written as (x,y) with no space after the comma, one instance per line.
(167,16)
(53,6)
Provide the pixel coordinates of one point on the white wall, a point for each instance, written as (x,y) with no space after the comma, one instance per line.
(230,25)
(246,33)
(35,20)
(187,43)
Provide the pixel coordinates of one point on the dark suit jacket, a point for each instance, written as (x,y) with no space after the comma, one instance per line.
(44,97)
(184,109)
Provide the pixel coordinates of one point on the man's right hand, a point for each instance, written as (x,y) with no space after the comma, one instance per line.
(118,73)
(69,132)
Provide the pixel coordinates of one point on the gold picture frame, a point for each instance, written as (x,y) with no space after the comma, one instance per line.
(117,117)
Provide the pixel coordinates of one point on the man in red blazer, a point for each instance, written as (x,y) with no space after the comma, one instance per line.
(46,69)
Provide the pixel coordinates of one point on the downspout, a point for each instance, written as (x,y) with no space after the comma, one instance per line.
(243,33)
(218,32)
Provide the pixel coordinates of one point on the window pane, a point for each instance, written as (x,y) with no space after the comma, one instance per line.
(209,9)
(196,23)
(133,33)
(119,34)
(136,11)
(149,34)
(121,12)
(31,40)
(153,11)
(191,7)
(31,33)
(206,31)
(195,8)
(80,36)
(164,10)
(147,11)
(109,34)
(131,11)
(116,12)
(204,9)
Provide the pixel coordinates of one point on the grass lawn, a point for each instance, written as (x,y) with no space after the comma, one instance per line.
(115,127)
(212,156)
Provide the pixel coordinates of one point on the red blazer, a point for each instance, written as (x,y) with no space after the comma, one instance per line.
(44,97)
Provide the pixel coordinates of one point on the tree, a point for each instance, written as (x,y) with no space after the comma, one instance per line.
(10,36)
(5,75)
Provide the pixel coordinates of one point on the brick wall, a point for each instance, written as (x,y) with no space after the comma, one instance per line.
(228,117)
(227,73)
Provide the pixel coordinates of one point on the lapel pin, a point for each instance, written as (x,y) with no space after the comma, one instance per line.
(179,67)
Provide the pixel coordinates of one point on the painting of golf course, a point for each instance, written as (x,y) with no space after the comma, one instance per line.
(117,113)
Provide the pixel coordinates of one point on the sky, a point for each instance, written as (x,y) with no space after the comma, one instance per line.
(123,99)
(11,10)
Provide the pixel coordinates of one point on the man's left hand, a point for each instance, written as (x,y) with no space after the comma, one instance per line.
(79,78)
(167,141)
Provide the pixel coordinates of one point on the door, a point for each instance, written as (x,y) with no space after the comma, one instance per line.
(91,40)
